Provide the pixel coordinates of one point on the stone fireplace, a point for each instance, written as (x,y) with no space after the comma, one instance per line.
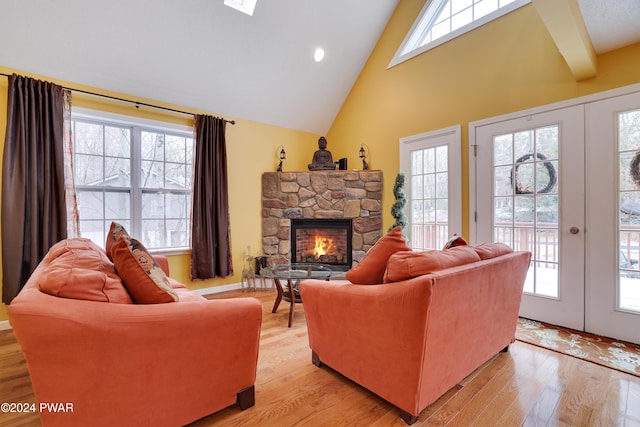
(315,200)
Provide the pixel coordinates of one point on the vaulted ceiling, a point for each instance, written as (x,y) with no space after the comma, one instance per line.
(201,54)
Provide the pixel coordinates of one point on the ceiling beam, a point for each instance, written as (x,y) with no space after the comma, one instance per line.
(564,21)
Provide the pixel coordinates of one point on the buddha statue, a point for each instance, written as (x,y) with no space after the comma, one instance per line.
(322,158)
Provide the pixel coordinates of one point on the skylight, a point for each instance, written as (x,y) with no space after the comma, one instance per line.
(244,6)
(443,20)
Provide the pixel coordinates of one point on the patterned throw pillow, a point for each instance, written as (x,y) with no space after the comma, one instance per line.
(116,230)
(370,270)
(141,274)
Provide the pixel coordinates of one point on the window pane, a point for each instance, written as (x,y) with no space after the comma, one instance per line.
(176,175)
(417,187)
(152,174)
(94,230)
(177,233)
(117,205)
(547,142)
(152,205)
(442,159)
(88,170)
(429,160)
(458,5)
(117,172)
(484,7)
(177,206)
(91,204)
(442,185)
(416,162)
(502,150)
(176,149)
(523,143)
(154,233)
(461,19)
(117,141)
(152,146)
(503,185)
(87,138)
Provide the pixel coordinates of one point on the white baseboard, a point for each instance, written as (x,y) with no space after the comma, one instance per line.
(218,289)
(231,287)
(4,325)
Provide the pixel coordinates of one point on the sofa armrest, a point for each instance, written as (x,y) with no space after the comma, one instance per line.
(373,334)
(124,361)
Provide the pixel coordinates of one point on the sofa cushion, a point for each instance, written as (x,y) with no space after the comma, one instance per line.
(141,274)
(405,265)
(492,250)
(116,230)
(79,269)
(370,270)
(454,241)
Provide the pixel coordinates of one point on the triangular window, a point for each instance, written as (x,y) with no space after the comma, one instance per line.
(443,20)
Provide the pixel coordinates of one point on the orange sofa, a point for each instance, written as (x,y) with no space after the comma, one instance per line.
(428,326)
(98,363)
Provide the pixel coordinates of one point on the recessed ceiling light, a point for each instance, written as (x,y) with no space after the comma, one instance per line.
(318,55)
(244,6)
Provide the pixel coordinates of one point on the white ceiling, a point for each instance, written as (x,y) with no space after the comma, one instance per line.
(202,54)
(611,24)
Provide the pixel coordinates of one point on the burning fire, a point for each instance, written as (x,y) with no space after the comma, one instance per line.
(323,246)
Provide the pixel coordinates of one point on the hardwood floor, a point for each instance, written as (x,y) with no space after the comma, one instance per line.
(526,386)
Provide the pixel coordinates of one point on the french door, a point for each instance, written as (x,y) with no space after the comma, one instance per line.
(530,195)
(563,182)
(613,217)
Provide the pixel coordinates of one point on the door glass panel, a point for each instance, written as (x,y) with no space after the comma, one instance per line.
(429,197)
(629,210)
(526,200)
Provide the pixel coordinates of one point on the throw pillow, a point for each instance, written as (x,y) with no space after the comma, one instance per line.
(455,241)
(141,274)
(79,269)
(492,250)
(405,265)
(370,270)
(116,230)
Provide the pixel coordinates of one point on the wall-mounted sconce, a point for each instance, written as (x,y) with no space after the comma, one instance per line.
(363,155)
(281,156)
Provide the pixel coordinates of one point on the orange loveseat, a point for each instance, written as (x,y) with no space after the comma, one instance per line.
(424,327)
(101,363)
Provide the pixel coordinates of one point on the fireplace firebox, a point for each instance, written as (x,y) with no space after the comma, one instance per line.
(322,241)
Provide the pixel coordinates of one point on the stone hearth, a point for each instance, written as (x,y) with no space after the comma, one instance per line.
(355,195)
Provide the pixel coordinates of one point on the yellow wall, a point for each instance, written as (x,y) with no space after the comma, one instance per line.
(251,150)
(508,65)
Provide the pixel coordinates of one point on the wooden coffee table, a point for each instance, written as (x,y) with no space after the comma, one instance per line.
(294,274)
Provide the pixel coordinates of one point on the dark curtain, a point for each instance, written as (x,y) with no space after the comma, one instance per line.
(33,193)
(210,235)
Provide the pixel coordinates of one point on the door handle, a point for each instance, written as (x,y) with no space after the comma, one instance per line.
(574,230)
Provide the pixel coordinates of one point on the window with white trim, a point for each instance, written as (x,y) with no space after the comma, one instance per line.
(134,174)
(432,165)
(443,20)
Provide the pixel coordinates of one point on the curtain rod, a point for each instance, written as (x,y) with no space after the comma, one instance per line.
(136,103)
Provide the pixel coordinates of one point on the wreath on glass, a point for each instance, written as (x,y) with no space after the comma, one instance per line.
(633,169)
(551,170)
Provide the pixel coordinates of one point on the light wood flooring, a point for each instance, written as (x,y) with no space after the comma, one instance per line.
(526,386)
